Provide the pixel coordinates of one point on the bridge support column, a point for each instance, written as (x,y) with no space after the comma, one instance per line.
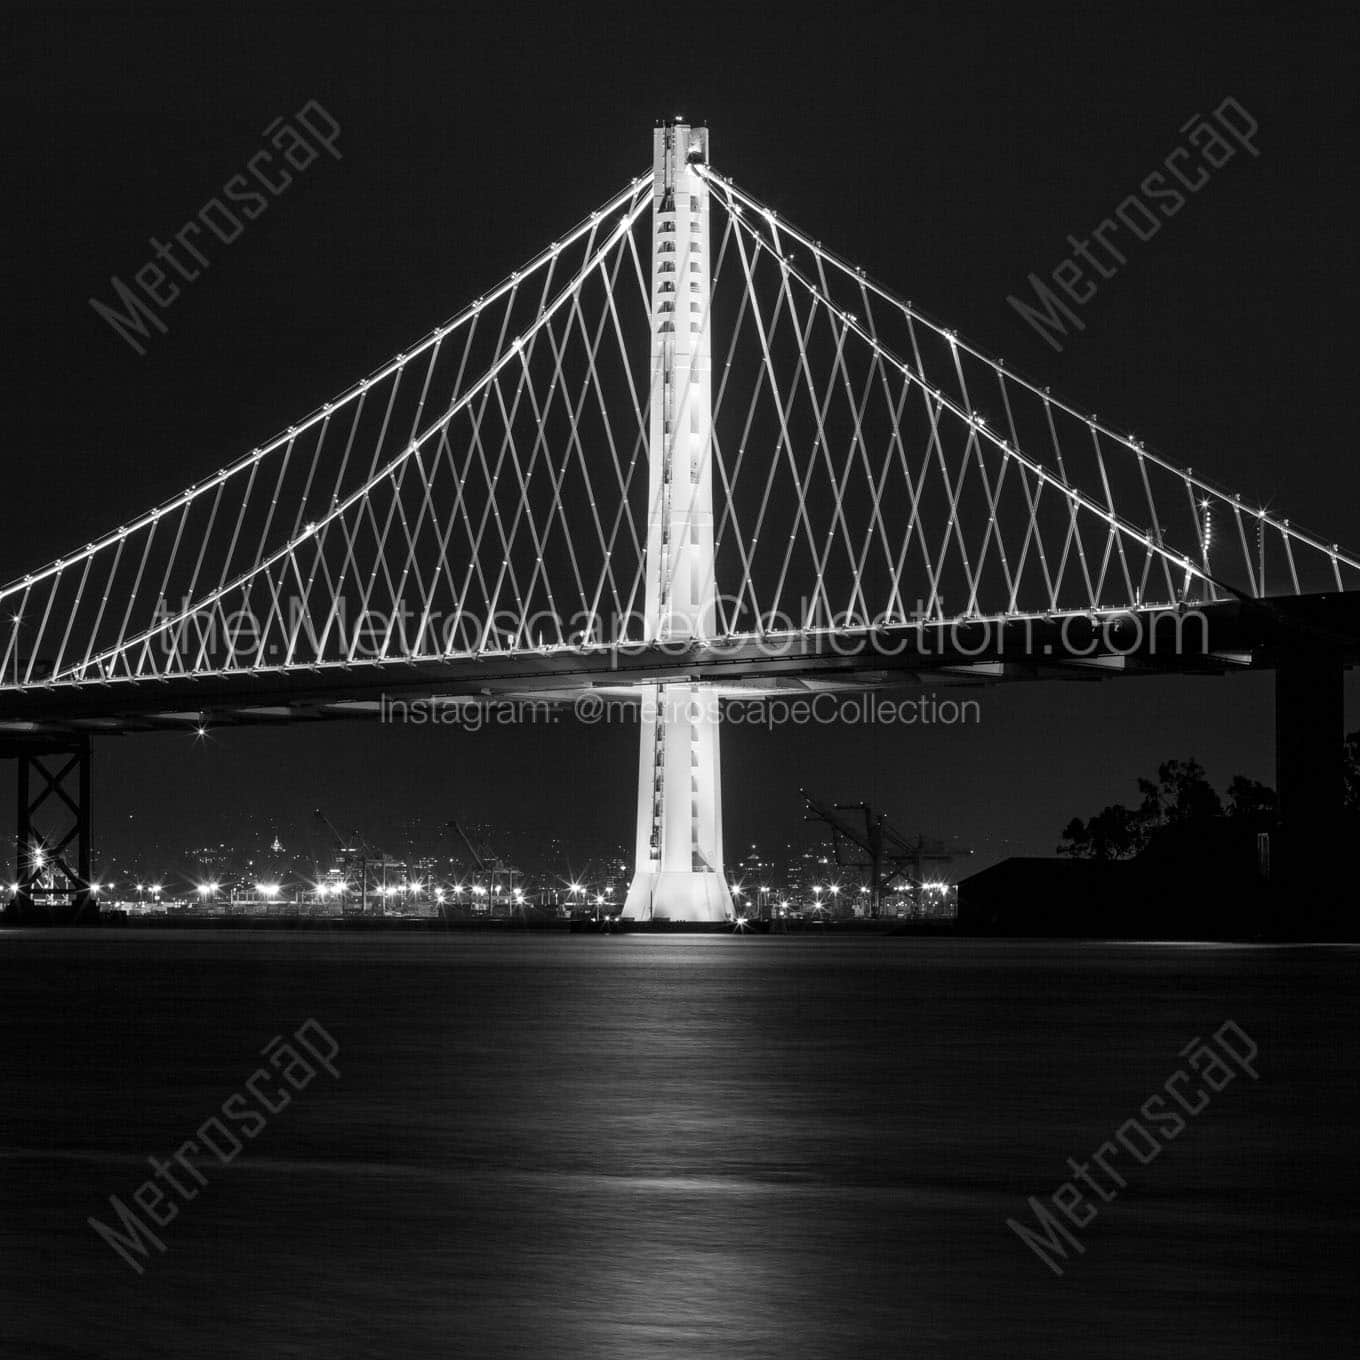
(1309,733)
(679,843)
(52,834)
(679,868)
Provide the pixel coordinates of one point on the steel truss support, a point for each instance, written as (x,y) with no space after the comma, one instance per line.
(52,834)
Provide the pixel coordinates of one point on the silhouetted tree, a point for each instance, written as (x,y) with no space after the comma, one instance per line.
(1180,800)
(1181,794)
(1116,832)
(1251,801)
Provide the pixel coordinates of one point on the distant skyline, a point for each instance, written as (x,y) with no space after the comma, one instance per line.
(951,151)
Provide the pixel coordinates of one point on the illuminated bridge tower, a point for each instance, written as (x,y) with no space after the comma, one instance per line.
(679,874)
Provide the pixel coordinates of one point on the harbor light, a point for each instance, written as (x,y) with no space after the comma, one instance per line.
(267,890)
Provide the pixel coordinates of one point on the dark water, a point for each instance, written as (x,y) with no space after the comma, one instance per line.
(710,1147)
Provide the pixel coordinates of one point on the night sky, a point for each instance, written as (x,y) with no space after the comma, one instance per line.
(950,150)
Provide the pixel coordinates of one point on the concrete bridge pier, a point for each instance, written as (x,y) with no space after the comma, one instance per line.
(1309,860)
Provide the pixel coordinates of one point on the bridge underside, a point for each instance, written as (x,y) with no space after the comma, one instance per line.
(1214,639)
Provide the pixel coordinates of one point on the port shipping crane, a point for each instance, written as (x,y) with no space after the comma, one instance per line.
(885,853)
(356,850)
(490,867)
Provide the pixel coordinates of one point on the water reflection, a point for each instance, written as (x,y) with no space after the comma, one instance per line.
(620,1147)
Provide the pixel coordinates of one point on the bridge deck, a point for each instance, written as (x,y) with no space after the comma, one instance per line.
(1212,639)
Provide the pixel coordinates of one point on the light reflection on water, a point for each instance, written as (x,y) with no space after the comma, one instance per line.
(690,1146)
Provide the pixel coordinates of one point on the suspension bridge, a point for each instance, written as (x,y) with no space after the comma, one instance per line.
(686,451)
